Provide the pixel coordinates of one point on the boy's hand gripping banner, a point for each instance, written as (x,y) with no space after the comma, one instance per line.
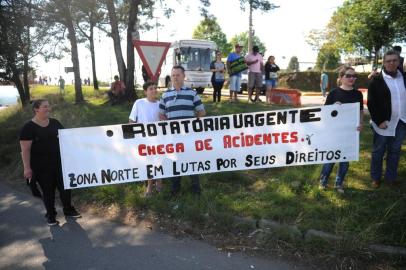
(116,154)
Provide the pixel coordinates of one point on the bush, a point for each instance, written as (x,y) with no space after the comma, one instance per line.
(310,80)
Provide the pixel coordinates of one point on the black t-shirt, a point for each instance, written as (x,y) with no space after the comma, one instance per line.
(45,154)
(345,96)
(270,68)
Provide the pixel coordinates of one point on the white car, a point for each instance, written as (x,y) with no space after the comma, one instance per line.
(8,95)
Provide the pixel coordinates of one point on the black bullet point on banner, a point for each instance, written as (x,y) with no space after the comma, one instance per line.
(109,133)
(334,113)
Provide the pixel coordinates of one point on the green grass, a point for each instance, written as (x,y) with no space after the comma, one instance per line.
(288,195)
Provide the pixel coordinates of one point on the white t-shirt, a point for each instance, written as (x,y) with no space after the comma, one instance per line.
(144,111)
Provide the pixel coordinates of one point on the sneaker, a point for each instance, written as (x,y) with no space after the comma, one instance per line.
(322,187)
(339,189)
(51,221)
(72,213)
(375,184)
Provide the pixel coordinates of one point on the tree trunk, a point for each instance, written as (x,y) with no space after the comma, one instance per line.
(116,39)
(25,77)
(91,40)
(75,58)
(132,19)
(16,80)
(376,56)
(27,50)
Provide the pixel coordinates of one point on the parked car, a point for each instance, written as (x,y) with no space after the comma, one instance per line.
(244,82)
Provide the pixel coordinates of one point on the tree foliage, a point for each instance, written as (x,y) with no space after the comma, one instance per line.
(209,29)
(316,38)
(363,25)
(16,44)
(293,65)
(328,57)
(263,5)
(242,39)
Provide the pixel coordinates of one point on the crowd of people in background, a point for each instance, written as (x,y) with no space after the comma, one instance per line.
(257,71)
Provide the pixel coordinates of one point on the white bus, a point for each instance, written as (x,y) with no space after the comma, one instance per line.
(195,56)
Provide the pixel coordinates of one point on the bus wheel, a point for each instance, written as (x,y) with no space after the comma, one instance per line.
(200,90)
(167,82)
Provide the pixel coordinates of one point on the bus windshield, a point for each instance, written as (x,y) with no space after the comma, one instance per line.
(195,58)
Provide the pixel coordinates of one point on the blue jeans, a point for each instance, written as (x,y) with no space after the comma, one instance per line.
(341,172)
(392,145)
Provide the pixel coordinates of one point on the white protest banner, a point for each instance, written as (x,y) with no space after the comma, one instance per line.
(116,154)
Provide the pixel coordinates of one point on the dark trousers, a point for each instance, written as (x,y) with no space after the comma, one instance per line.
(195,183)
(49,181)
(393,147)
(217,86)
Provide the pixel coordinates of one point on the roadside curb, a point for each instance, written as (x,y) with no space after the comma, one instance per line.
(265,229)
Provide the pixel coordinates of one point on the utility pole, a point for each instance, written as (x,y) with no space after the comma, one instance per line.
(250,34)
(156,26)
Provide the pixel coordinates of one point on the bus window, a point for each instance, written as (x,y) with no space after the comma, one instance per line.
(195,58)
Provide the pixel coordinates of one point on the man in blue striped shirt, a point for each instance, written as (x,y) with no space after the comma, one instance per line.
(180,102)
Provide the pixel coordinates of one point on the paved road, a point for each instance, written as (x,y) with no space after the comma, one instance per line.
(26,242)
(307,100)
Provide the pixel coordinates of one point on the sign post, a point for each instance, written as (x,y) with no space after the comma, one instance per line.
(152,54)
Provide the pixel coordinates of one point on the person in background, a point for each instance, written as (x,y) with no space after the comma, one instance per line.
(323,83)
(345,93)
(217,79)
(61,83)
(271,77)
(373,73)
(180,102)
(117,90)
(42,161)
(255,67)
(387,106)
(144,72)
(235,79)
(146,110)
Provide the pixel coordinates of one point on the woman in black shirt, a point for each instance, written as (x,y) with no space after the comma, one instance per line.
(345,93)
(41,158)
(271,77)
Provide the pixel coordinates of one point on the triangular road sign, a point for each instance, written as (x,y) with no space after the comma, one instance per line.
(152,54)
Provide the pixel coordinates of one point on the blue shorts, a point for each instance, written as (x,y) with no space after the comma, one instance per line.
(271,82)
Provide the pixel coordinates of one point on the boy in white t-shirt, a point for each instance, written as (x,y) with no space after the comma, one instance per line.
(147,110)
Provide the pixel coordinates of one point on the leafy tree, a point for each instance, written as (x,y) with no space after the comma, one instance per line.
(90,15)
(293,65)
(242,39)
(209,29)
(328,57)
(17,44)
(263,5)
(115,35)
(316,38)
(59,16)
(367,25)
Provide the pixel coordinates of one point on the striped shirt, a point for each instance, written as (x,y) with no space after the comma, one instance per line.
(180,104)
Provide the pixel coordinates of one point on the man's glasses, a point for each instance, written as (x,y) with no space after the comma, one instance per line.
(349,76)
